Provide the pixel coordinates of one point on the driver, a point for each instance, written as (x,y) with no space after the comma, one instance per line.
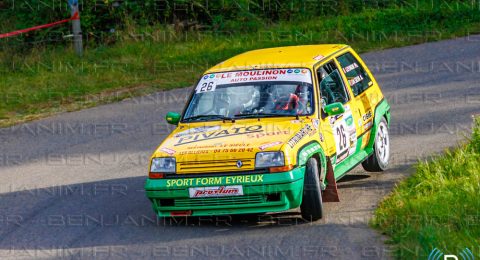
(302,93)
(295,101)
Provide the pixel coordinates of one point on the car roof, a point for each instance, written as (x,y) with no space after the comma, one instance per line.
(280,57)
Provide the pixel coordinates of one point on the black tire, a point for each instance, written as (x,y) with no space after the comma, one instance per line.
(312,205)
(378,161)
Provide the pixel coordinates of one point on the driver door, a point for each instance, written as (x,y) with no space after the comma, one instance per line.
(340,133)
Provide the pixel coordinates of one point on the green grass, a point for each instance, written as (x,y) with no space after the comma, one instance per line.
(438,206)
(54,79)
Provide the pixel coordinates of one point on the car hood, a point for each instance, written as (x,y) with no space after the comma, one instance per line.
(226,147)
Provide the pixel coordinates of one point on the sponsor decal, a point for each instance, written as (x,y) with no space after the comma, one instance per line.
(352,131)
(265,146)
(167,150)
(215,191)
(220,180)
(209,82)
(367,126)
(307,152)
(263,134)
(307,129)
(219,191)
(334,119)
(233,150)
(196,130)
(342,156)
(217,148)
(321,138)
(198,137)
(318,57)
(353,142)
(194,152)
(355,80)
(350,67)
(217,145)
(367,115)
(349,120)
(315,123)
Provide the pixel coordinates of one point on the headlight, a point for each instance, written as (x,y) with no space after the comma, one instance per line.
(166,165)
(269,159)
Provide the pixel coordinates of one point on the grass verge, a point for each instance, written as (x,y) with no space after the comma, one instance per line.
(438,206)
(148,59)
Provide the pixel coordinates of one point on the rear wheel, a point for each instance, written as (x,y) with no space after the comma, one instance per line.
(312,205)
(378,161)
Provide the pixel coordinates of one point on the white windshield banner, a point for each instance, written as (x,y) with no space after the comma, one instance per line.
(210,81)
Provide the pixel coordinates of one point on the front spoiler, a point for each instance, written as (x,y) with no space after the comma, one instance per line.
(275,192)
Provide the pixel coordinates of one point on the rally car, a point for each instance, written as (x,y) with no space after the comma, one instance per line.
(271,130)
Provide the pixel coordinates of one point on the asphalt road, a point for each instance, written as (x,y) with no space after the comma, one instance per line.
(72,185)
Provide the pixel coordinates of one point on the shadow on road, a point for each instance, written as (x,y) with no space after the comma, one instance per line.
(117,209)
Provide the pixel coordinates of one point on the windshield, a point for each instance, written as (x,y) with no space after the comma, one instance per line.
(254,93)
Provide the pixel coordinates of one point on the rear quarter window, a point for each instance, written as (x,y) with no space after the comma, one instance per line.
(357,77)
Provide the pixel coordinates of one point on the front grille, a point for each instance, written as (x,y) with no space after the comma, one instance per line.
(219,201)
(215,166)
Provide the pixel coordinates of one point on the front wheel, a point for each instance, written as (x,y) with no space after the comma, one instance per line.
(312,205)
(378,161)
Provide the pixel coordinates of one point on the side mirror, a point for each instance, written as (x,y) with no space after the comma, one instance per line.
(334,109)
(173,118)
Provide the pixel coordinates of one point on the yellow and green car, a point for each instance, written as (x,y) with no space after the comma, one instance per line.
(271,130)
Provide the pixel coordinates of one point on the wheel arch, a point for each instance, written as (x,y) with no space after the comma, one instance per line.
(313,149)
(382,110)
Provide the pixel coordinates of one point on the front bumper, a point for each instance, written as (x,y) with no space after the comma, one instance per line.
(273,192)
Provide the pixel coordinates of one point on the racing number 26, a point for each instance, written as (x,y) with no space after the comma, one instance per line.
(210,86)
(342,138)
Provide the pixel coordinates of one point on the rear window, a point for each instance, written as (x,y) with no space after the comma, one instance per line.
(356,75)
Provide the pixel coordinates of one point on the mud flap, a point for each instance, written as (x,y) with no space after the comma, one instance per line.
(330,194)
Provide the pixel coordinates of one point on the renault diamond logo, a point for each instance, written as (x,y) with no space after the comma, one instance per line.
(239,164)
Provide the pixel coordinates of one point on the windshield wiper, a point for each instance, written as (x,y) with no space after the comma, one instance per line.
(207,117)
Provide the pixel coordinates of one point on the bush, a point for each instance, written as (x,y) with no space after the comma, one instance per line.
(100,18)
